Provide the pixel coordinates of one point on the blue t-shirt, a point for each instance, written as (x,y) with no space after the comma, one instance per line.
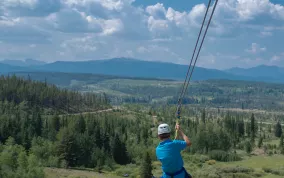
(168,152)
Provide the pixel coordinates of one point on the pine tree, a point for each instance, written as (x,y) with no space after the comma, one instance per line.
(260,141)
(138,137)
(203,116)
(146,167)
(55,123)
(278,130)
(253,128)
(241,128)
(248,129)
(67,147)
(106,143)
(248,146)
(269,128)
(145,135)
(281,144)
(98,138)
(80,125)
(119,152)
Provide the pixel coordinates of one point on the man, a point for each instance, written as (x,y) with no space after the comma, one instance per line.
(168,152)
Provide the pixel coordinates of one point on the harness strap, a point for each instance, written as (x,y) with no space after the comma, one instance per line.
(176,173)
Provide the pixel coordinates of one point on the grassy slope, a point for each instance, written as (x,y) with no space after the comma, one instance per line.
(255,162)
(69,173)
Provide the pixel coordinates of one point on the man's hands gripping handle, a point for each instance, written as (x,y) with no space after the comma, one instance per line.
(180,133)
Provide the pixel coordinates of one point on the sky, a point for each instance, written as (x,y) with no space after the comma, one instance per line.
(243,33)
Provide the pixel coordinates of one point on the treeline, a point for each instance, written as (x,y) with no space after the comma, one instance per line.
(233,94)
(94,141)
(37,94)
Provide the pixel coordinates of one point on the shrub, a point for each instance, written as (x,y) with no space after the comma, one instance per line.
(279,171)
(236,170)
(223,156)
(211,162)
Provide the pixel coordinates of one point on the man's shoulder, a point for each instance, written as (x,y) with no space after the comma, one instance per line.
(179,141)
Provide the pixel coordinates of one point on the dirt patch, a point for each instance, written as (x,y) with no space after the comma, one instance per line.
(258,151)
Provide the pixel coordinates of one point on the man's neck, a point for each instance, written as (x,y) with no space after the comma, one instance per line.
(165,139)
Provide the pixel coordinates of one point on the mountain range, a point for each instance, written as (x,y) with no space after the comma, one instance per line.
(126,67)
(23,63)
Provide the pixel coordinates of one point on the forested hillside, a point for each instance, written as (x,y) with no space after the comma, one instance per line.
(29,118)
(213,93)
(15,91)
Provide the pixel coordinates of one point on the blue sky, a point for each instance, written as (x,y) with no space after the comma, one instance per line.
(244,33)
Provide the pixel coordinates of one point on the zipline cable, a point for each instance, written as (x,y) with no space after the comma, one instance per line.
(200,31)
(184,89)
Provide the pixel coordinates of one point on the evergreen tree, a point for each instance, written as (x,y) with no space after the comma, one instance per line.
(260,142)
(241,128)
(138,137)
(253,128)
(55,123)
(145,135)
(67,148)
(281,144)
(248,146)
(248,129)
(146,167)
(98,138)
(80,124)
(269,128)
(119,152)
(106,143)
(203,116)
(278,130)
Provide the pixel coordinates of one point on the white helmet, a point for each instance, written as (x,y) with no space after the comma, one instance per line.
(163,128)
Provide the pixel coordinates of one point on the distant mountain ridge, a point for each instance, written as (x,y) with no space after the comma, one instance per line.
(126,67)
(23,63)
(6,68)
(260,71)
(136,68)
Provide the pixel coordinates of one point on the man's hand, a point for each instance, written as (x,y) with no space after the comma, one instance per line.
(177,127)
(185,138)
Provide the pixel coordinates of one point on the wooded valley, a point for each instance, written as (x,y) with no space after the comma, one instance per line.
(39,131)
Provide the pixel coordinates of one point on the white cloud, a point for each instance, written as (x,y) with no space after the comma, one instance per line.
(92,29)
(112,26)
(21,30)
(265,33)
(157,11)
(142,49)
(69,20)
(249,9)
(277,58)
(29,7)
(255,48)
(196,14)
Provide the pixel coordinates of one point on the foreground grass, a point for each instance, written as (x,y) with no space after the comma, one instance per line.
(236,169)
(70,173)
